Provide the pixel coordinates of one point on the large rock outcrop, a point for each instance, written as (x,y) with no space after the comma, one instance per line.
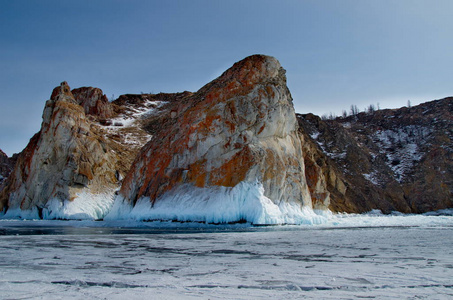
(233,151)
(64,161)
(86,145)
(239,129)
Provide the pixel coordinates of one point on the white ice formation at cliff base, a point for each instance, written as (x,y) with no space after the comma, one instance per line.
(245,202)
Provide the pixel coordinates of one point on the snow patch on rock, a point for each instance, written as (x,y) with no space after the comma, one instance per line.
(401,147)
(372,177)
(315,135)
(135,113)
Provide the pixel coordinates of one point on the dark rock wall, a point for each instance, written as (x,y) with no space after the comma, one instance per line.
(6,166)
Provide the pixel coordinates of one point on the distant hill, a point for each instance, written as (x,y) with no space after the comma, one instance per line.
(391,159)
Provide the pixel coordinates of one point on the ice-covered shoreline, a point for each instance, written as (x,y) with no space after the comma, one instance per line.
(244,203)
(374,219)
(189,206)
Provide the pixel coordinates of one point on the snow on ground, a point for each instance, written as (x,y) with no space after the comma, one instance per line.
(315,135)
(335,154)
(135,113)
(401,147)
(127,125)
(343,260)
(372,177)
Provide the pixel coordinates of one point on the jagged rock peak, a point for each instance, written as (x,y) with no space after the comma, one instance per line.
(243,76)
(253,69)
(239,128)
(93,101)
(67,157)
(62,92)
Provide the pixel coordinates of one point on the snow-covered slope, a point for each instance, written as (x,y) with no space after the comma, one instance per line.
(393,159)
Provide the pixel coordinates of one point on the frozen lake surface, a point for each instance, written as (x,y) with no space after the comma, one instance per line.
(349,257)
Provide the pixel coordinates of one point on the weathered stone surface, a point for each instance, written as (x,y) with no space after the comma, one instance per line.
(239,128)
(340,163)
(93,101)
(136,117)
(76,153)
(6,165)
(65,157)
(392,160)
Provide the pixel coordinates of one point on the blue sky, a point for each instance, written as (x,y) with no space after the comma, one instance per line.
(336,53)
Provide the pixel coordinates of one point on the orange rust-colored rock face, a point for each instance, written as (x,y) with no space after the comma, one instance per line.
(240,127)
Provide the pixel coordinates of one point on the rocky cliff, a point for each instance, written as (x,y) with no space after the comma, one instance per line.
(86,145)
(392,159)
(239,129)
(233,151)
(67,162)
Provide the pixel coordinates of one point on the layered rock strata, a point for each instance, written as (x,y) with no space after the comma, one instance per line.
(239,128)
